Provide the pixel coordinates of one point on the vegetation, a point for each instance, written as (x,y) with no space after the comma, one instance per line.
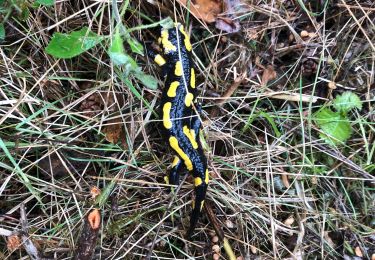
(288,93)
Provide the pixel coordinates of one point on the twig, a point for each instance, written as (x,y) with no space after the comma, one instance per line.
(87,240)
(165,213)
(228,93)
(29,246)
(291,96)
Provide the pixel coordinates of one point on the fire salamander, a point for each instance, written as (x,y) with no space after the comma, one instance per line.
(178,110)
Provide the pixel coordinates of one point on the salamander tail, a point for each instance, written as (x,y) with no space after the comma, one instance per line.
(198,203)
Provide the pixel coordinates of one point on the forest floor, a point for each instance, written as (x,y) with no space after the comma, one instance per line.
(287,91)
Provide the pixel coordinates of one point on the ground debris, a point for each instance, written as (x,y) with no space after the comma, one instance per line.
(86,243)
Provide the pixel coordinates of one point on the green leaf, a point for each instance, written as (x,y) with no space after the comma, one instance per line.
(118,55)
(147,80)
(335,127)
(104,195)
(135,46)
(67,46)
(2,32)
(119,58)
(346,102)
(117,45)
(25,13)
(45,2)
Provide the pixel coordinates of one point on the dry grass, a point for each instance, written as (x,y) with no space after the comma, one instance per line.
(278,190)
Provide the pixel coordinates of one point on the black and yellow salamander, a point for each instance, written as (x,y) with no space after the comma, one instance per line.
(178,110)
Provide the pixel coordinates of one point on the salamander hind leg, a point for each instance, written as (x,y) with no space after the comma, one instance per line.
(173,177)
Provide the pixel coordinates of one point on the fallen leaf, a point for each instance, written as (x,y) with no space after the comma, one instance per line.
(114,131)
(206,10)
(229,21)
(13,243)
(227,25)
(268,74)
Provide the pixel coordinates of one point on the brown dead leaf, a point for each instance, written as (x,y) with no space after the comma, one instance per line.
(228,25)
(206,10)
(268,74)
(13,243)
(94,219)
(114,131)
(228,21)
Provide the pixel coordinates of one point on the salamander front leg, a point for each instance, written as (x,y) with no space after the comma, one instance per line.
(158,59)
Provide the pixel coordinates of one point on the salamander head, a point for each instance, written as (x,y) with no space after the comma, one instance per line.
(173,39)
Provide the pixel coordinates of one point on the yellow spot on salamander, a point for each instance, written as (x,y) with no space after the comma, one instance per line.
(166,179)
(197,181)
(206,177)
(202,204)
(176,160)
(166,115)
(186,39)
(172,89)
(159,60)
(189,99)
(168,46)
(192,132)
(173,142)
(192,78)
(178,69)
(190,136)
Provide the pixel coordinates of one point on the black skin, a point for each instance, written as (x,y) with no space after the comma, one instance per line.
(182,115)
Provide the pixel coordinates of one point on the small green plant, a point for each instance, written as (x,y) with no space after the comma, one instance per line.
(335,125)
(121,59)
(67,46)
(45,2)
(70,45)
